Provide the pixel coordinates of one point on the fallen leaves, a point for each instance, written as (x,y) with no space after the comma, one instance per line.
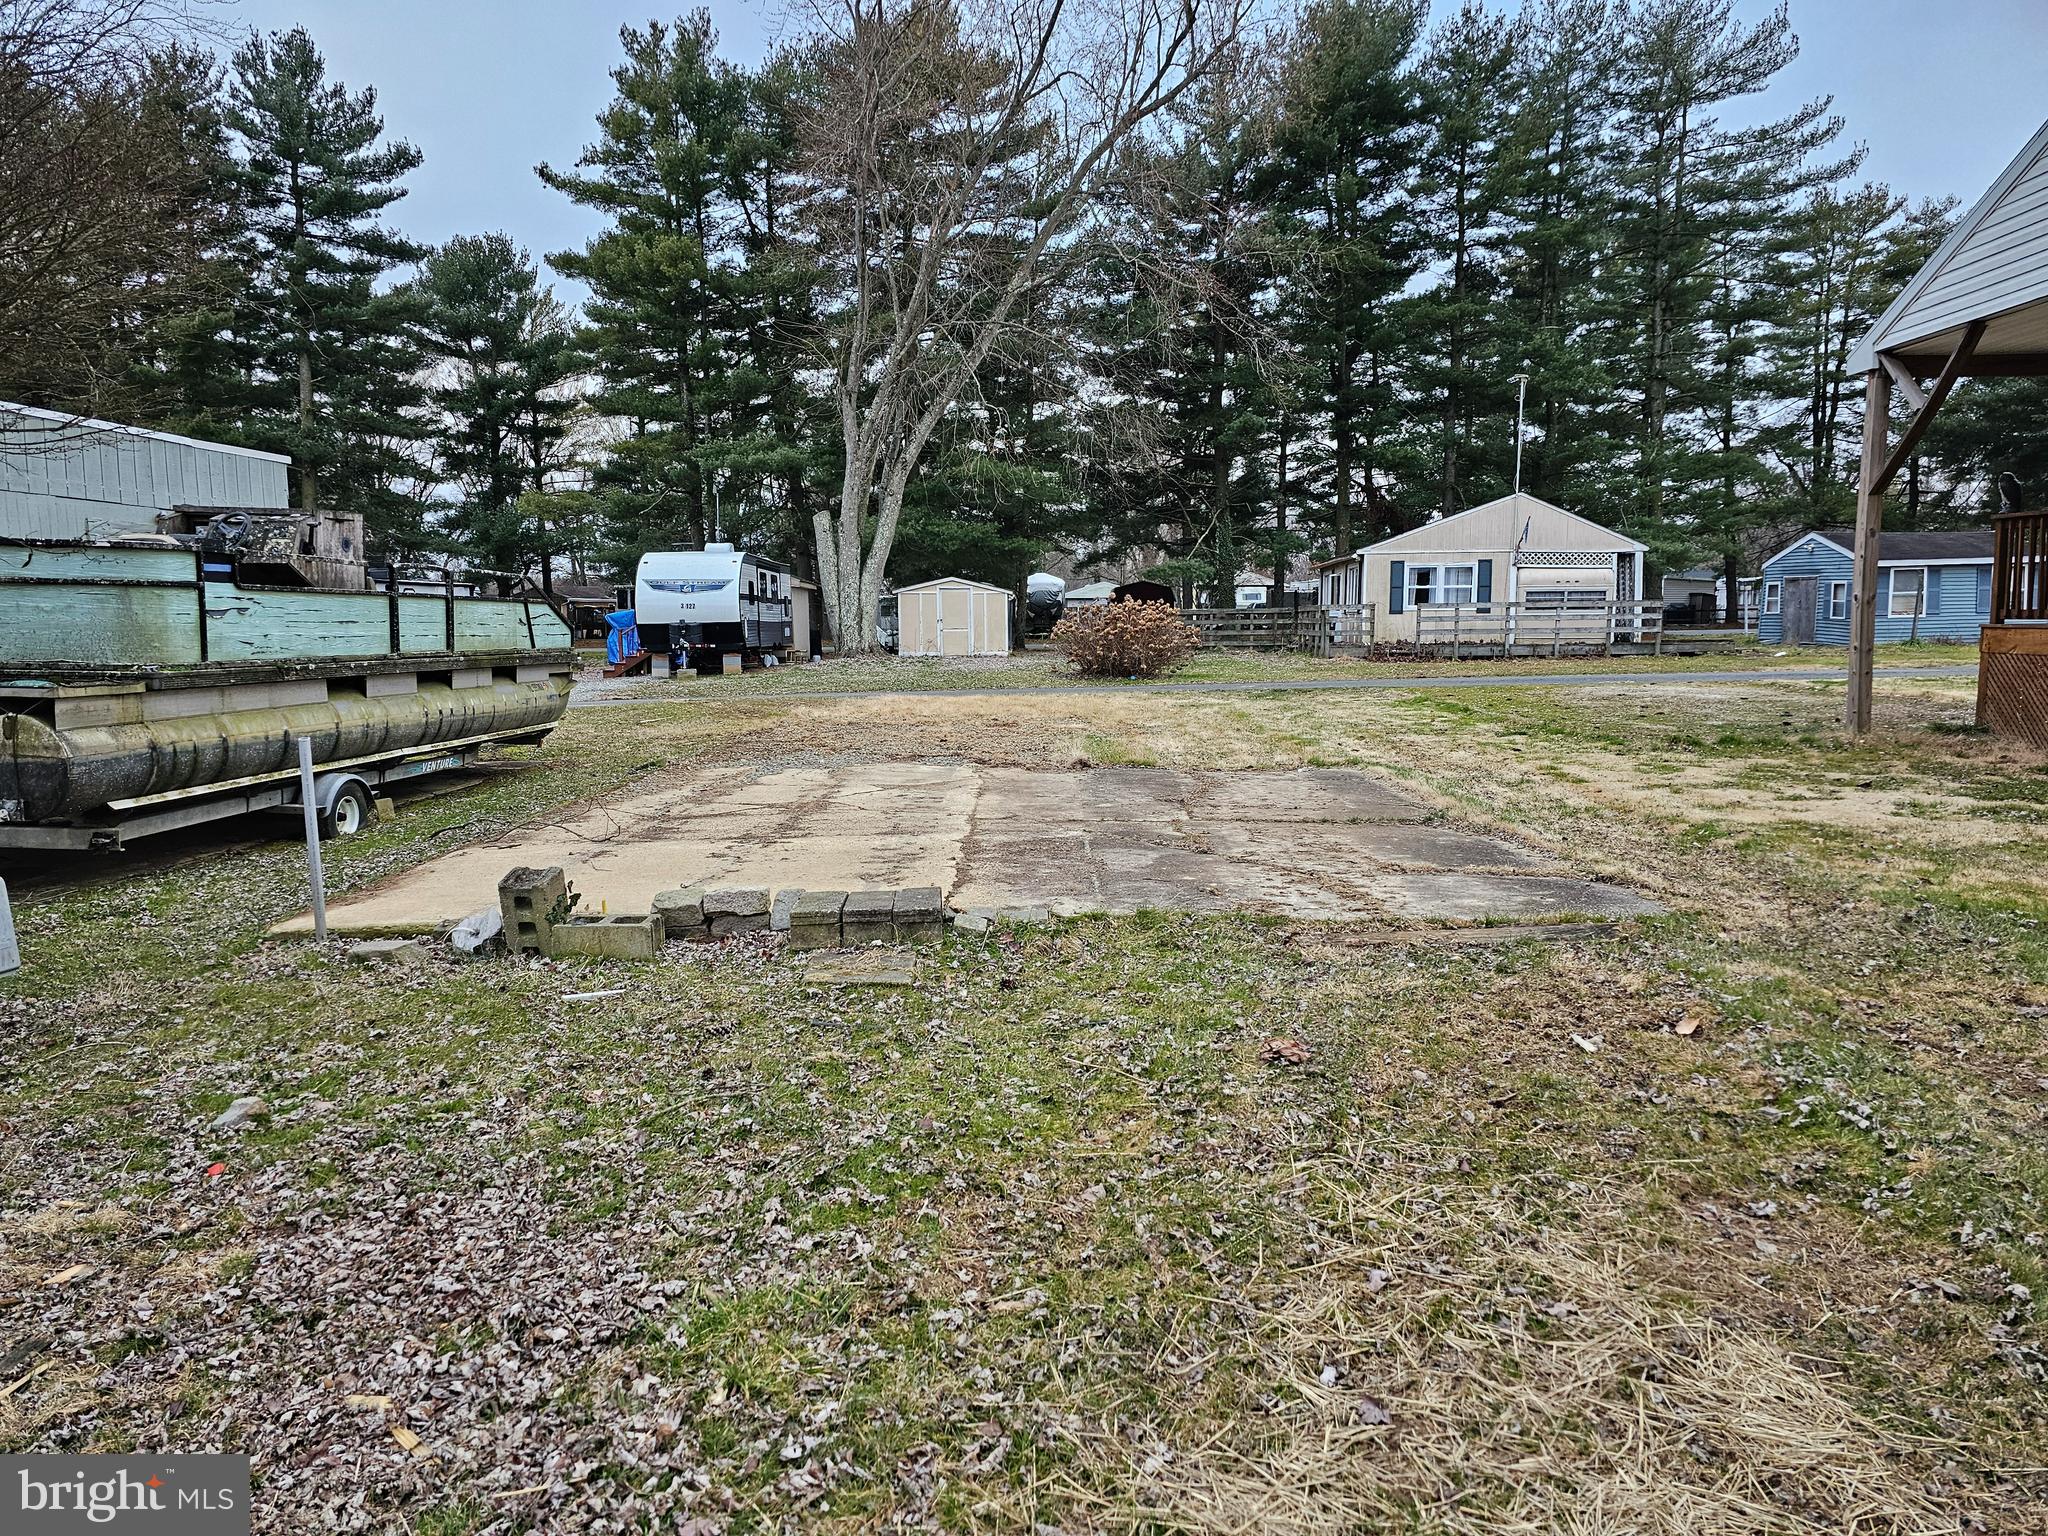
(1286,1051)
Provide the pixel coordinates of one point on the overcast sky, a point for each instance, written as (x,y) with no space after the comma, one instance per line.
(1943,92)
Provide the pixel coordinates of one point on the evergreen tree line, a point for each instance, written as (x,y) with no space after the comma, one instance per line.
(1319,283)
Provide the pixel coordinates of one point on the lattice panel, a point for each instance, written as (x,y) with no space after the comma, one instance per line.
(1538,559)
(2012,696)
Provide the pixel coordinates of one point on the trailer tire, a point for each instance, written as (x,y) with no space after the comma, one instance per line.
(347,811)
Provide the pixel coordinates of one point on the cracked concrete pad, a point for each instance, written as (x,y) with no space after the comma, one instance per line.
(1318,843)
(1476,898)
(1307,794)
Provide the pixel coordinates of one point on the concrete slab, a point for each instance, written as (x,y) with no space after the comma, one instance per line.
(1318,843)
(1476,898)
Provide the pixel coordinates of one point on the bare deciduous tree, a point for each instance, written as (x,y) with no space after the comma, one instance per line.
(96,178)
(958,152)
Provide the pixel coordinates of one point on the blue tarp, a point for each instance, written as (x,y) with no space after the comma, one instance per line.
(624,639)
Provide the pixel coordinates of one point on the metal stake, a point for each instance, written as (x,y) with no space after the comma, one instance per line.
(313,869)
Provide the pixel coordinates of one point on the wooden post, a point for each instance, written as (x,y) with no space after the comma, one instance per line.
(1877,402)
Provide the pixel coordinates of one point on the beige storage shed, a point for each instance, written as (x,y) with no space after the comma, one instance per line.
(953,617)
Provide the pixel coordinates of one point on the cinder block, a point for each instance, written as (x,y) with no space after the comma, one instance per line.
(814,920)
(919,915)
(681,913)
(621,936)
(868,916)
(533,901)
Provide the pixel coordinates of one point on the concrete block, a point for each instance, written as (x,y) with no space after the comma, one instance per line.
(736,911)
(384,685)
(974,920)
(532,901)
(738,901)
(868,916)
(385,807)
(620,936)
(388,952)
(919,914)
(785,903)
(731,663)
(814,919)
(681,913)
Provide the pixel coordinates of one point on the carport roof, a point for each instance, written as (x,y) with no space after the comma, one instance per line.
(1993,267)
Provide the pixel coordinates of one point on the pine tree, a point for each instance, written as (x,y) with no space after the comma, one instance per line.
(1350,131)
(504,346)
(331,367)
(1468,100)
(1556,197)
(1697,204)
(663,308)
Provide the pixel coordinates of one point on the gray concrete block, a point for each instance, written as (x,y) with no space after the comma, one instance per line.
(814,919)
(785,903)
(920,903)
(620,936)
(681,913)
(919,914)
(532,901)
(737,925)
(388,952)
(740,901)
(868,916)
(974,920)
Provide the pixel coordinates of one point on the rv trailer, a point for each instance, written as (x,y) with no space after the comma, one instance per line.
(706,604)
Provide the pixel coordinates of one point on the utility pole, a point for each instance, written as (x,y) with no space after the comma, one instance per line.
(1521,383)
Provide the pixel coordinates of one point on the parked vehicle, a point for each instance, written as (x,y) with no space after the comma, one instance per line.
(702,605)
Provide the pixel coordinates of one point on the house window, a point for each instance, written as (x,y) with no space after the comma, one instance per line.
(1774,596)
(1838,599)
(1909,594)
(1429,584)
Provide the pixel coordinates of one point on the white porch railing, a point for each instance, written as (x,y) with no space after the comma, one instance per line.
(1535,629)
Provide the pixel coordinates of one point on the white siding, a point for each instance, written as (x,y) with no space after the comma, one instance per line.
(1996,261)
(61,479)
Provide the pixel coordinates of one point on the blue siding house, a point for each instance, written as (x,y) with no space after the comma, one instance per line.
(1930,586)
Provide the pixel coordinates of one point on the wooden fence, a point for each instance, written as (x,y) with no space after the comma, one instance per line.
(1537,629)
(1314,630)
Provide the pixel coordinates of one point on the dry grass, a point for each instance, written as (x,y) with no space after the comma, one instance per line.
(1456,1363)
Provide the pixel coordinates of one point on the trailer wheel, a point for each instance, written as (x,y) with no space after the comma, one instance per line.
(348,812)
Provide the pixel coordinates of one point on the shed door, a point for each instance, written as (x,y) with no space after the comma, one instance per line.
(956,621)
(1798,611)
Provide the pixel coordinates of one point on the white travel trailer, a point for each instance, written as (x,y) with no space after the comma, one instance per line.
(712,602)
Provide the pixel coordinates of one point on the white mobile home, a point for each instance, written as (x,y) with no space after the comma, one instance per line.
(65,477)
(1517,550)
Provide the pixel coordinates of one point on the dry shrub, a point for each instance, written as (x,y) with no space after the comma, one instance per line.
(1125,639)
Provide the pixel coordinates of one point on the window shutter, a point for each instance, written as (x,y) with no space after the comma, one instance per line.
(1484,590)
(1397,586)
